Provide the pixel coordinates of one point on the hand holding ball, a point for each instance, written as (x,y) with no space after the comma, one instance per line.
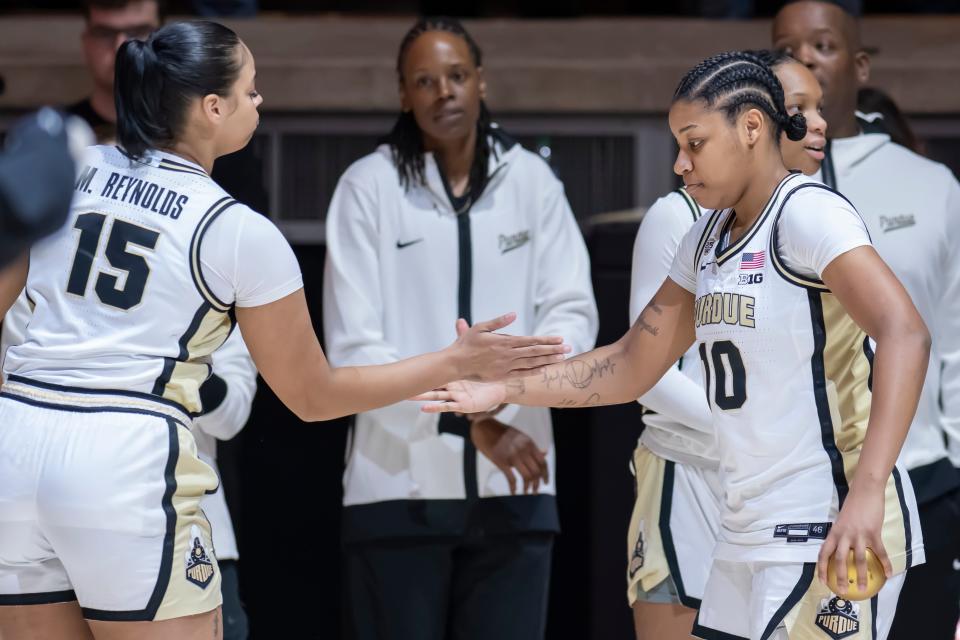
(875,577)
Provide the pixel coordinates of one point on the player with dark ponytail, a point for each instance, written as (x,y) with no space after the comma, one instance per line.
(808,421)
(156,80)
(101,529)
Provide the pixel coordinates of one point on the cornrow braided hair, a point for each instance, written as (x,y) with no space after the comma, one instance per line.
(736,80)
(406,139)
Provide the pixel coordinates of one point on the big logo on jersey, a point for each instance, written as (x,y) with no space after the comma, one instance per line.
(199,567)
(838,618)
(725,308)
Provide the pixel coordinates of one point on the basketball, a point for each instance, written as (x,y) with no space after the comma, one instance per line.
(875,577)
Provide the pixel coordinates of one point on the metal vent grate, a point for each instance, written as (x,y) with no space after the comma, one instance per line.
(597,170)
(310,165)
(304,167)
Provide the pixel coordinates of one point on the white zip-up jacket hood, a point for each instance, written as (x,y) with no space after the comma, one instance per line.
(911,206)
(401,267)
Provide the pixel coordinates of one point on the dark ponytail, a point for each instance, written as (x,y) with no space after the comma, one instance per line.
(155,81)
(796,127)
(733,81)
(406,139)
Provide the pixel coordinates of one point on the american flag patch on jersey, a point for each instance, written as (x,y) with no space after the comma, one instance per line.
(752,260)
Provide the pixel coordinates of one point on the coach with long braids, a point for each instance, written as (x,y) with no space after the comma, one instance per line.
(449,218)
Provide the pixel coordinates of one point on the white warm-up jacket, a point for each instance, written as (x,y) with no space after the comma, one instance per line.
(402,266)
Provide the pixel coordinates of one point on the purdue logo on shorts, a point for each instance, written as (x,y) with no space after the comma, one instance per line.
(639,552)
(199,567)
(838,618)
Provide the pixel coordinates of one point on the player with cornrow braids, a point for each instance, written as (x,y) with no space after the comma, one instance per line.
(732,81)
(676,513)
(770,284)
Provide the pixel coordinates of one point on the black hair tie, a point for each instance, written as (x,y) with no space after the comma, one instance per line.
(796,127)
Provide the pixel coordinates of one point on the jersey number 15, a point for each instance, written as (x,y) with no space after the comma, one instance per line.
(121,235)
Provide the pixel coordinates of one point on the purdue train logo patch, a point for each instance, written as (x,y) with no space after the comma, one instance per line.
(199,567)
(838,618)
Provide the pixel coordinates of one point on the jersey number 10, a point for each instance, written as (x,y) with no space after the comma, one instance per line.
(727,362)
(122,234)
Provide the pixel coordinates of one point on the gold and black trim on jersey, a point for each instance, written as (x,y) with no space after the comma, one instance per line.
(196,272)
(821,382)
(691,203)
(160,385)
(666,536)
(841,384)
(180,167)
(779,265)
(724,254)
(841,369)
(796,594)
(181,377)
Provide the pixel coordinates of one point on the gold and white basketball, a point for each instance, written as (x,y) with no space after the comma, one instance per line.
(875,577)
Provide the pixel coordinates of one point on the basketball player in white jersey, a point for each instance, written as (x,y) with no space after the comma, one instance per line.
(227,398)
(675,520)
(101,534)
(911,206)
(779,287)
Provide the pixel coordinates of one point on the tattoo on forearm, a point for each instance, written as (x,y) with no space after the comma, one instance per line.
(645,320)
(581,374)
(592,401)
(578,374)
(516,387)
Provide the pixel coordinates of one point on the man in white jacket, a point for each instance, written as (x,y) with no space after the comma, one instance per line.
(911,207)
(435,544)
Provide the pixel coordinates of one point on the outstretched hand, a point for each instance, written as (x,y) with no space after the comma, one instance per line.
(482,354)
(465,396)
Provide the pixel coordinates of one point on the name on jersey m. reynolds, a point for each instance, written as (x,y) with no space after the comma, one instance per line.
(135,191)
(725,308)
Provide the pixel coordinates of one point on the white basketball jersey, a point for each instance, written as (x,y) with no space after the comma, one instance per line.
(787,375)
(119,299)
